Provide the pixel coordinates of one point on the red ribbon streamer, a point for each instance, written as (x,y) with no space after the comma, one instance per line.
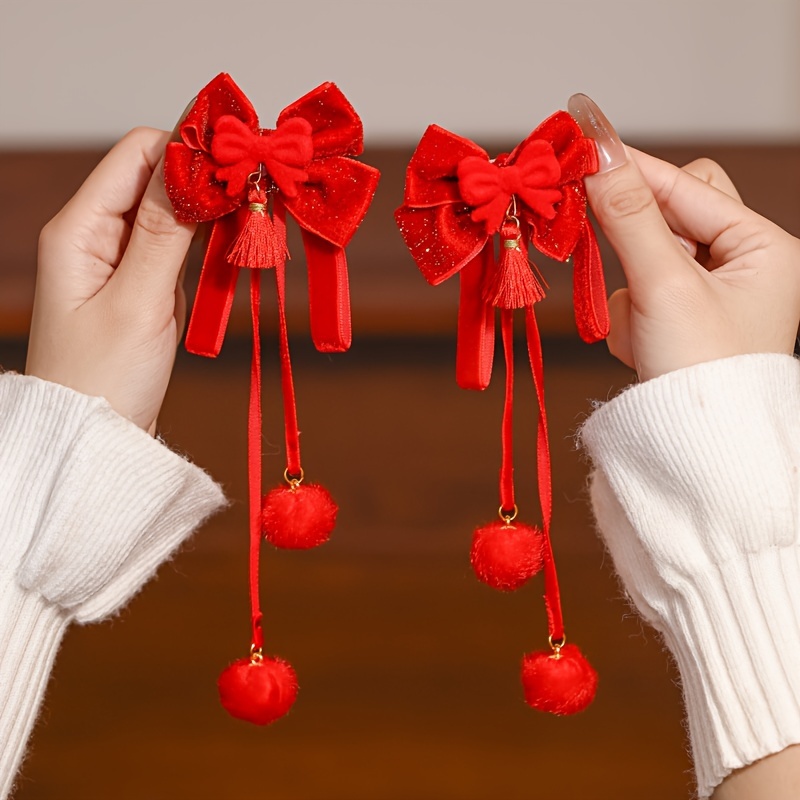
(254,460)
(552,593)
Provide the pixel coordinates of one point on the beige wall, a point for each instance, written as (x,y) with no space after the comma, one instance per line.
(84,71)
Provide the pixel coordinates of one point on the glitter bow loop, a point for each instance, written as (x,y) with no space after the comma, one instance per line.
(305,164)
(456,200)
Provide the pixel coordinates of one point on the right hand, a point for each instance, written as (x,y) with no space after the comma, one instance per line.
(677,312)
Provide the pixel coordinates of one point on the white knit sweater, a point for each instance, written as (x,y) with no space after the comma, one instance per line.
(696,491)
(90,505)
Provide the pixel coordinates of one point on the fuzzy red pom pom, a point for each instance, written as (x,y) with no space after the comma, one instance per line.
(258,690)
(299,517)
(561,682)
(506,554)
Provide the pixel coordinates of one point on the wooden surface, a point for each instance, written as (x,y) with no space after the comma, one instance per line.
(389,296)
(408,666)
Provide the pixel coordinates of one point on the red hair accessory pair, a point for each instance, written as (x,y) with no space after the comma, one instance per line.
(246,180)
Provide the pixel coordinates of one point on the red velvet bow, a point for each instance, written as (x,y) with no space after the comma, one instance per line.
(306,159)
(455,201)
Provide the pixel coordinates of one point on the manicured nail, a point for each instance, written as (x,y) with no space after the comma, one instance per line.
(610,150)
(176,131)
(687,244)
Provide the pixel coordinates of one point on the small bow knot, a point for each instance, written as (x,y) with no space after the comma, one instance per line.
(488,186)
(285,153)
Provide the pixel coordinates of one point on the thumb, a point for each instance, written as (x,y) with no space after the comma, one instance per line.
(619,337)
(626,207)
(158,243)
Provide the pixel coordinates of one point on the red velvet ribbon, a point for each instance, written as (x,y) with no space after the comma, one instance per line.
(456,201)
(307,158)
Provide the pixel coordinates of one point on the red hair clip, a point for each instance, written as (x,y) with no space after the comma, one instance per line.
(246,180)
(457,200)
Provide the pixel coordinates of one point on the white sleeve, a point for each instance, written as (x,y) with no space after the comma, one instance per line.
(90,505)
(696,491)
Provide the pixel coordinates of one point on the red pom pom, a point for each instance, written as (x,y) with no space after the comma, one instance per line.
(506,554)
(299,517)
(258,690)
(561,682)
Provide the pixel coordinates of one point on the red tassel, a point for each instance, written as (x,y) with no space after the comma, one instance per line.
(299,516)
(257,689)
(513,284)
(258,245)
(561,682)
(506,554)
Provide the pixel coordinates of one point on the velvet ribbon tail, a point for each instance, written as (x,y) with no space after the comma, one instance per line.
(212,303)
(254,459)
(589,288)
(475,343)
(287,384)
(507,501)
(328,294)
(552,595)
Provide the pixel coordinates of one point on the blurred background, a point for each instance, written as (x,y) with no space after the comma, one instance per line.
(408,667)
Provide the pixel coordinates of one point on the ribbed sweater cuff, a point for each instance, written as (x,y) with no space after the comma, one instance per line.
(95,503)
(695,491)
(31,630)
(90,505)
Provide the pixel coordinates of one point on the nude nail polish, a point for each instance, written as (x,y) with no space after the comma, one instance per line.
(687,244)
(176,131)
(610,149)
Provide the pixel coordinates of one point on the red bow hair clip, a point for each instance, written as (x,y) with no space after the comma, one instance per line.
(457,201)
(246,180)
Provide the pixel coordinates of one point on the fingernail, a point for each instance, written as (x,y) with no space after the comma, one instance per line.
(689,246)
(610,149)
(176,131)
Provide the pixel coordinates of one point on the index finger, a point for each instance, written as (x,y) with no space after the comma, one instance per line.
(691,206)
(626,207)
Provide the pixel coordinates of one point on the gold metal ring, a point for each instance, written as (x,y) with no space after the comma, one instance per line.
(256,656)
(557,645)
(505,516)
(293,480)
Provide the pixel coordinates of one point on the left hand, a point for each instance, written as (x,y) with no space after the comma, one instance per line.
(109,307)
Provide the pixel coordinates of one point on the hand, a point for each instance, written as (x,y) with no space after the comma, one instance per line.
(676,312)
(109,307)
